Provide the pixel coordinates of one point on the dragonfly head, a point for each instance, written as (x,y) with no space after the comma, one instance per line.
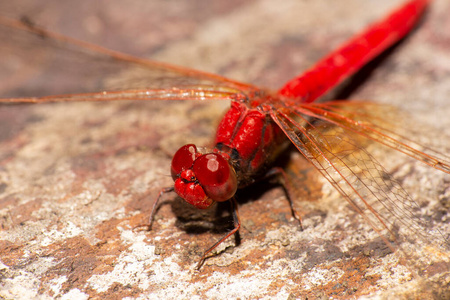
(201,179)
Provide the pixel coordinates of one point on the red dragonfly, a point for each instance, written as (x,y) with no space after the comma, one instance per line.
(261,123)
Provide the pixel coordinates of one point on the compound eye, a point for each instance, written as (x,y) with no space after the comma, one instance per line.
(183,159)
(216,176)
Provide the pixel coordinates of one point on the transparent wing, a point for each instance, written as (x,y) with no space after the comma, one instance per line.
(382,124)
(338,147)
(36,61)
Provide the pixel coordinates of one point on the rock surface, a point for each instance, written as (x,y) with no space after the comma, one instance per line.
(76,178)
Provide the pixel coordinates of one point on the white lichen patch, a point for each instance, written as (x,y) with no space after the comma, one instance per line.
(132,266)
(241,287)
(392,273)
(56,284)
(75,294)
(69,230)
(318,277)
(24,283)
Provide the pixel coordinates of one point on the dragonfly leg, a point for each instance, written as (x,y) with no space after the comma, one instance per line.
(237,225)
(155,207)
(285,183)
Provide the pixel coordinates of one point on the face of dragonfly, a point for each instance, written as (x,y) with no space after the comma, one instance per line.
(201,179)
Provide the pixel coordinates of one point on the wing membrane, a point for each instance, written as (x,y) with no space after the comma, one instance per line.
(338,150)
(376,122)
(38,61)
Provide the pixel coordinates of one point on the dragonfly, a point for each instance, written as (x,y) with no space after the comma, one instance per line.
(262,123)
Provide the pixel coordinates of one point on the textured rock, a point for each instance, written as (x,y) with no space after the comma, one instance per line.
(76,178)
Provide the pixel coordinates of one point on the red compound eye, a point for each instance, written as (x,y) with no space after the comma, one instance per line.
(183,159)
(216,176)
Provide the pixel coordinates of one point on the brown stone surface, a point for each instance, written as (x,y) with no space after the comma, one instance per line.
(76,178)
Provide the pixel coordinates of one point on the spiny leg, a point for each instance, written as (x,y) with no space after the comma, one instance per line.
(276,171)
(154,208)
(237,225)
